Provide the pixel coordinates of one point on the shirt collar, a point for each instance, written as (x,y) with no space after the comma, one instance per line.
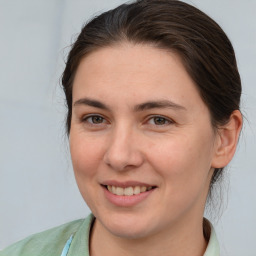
(80,243)
(213,248)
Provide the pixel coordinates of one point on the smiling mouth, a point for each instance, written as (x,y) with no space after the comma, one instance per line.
(128,191)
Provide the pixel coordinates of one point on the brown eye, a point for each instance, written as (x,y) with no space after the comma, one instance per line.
(97,119)
(160,120)
(94,119)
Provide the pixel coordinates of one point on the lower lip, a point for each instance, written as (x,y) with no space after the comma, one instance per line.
(126,201)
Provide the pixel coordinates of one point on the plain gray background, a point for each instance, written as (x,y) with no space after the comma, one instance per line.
(37,187)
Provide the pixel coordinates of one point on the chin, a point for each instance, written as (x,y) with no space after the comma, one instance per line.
(128,227)
(128,232)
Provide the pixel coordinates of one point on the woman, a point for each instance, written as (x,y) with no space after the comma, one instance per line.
(153,94)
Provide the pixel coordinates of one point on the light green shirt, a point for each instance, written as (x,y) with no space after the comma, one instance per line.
(72,239)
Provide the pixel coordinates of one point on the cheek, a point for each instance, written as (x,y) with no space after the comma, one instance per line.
(86,155)
(184,166)
(183,159)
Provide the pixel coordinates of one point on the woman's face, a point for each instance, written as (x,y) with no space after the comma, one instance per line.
(138,123)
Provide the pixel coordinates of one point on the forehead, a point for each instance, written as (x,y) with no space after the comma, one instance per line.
(128,59)
(131,72)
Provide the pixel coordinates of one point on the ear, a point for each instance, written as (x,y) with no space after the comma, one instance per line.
(227,139)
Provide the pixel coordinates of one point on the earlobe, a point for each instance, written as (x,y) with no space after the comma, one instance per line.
(227,140)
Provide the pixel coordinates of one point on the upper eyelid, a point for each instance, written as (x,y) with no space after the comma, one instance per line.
(91,115)
(161,116)
(84,117)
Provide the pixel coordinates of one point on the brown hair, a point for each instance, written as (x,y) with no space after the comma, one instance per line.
(204,48)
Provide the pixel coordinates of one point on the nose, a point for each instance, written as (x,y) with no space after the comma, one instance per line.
(123,150)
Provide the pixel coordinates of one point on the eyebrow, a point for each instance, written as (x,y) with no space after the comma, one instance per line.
(91,102)
(140,107)
(158,104)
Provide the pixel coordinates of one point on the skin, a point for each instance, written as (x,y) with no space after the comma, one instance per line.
(176,153)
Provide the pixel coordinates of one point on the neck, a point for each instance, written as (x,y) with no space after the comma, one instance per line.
(185,239)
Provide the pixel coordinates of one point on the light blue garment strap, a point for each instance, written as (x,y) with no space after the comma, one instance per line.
(66,247)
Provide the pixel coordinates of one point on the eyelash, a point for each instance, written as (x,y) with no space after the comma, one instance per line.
(166,121)
(86,118)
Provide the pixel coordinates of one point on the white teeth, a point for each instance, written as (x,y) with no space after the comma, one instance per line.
(119,191)
(143,189)
(129,191)
(136,190)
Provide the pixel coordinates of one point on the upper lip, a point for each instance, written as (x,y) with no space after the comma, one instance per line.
(125,184)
